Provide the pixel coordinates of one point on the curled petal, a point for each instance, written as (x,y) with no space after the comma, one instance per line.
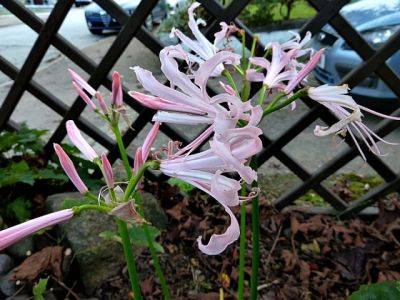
(253,75)
(219,242)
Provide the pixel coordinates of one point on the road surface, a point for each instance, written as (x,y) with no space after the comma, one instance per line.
(16,41)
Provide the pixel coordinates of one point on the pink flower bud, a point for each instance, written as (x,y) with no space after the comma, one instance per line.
(13,234)
(148,142)
(116,93)
(84,96)
(108,172)
(81,82)
(78,140)
(69,169)
(102,103)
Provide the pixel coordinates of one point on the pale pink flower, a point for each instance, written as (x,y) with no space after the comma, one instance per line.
(202,48)
(16,233)
(107,171)
(69,169)
(189,103)
(77,139)
(296,44)
(342,105)
(276,72)
(303,73)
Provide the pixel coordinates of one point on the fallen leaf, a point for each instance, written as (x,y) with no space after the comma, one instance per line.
(47,259)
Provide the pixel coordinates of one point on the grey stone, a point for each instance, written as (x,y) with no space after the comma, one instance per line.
(21,248)
(153,211)
(98,258)
(5,264)
(7,286)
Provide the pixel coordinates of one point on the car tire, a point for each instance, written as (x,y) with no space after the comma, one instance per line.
(96,31)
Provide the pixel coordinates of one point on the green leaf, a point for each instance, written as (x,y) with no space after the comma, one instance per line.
(138,236)
(71,202)
(109,235)
(388,290)
(183,186)
(20,209)
(15,173)
(23,141)
(51,174)
(39,289)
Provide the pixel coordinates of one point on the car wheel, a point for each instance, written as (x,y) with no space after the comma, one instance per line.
(96,31)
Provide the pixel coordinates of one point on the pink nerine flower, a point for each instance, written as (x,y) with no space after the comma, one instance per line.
(69,169)
(303,73)
(189,103)
(296,44)
(77,139)
(12,235)
(276,73)
(116,94)
(342,105)
(202,48)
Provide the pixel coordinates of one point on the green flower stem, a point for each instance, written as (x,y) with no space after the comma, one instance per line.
(242,246)
(157,266)
(122,149)
(100,208)
(230,79)
(261,96)
(255,235)
(135,178)
(130,261)
(153,252)
(278,105)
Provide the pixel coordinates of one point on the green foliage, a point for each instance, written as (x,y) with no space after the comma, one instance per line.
(183,186)
(23,141)
(258,13)
(388,290)
(138,236)
(20,209)
(312,198)
(21,172)
(39,289)
(71,202)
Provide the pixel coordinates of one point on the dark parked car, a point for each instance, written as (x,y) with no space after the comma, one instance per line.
(79,3)
(377,21)
(98,20)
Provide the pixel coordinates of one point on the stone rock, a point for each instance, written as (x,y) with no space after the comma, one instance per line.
(6,264)
(21,297)
(98,258)
(22,248)
(153,211)
(7,286)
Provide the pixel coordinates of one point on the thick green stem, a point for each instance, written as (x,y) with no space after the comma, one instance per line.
(135,178)
(230,79)
(130,261)
(156,262)
(280,104)
(100,208)
(122,149)
(242,246)
(261,96)
(255,238)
